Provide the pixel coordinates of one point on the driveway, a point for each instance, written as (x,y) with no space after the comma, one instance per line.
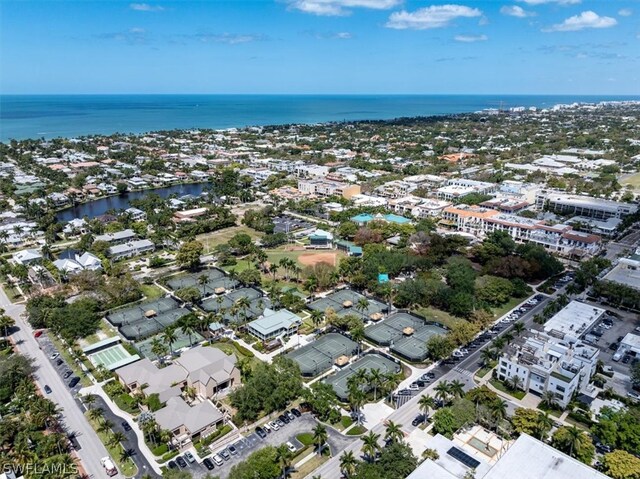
(252,442)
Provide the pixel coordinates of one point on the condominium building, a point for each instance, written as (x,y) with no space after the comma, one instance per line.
(395,189)
(458,187)
(583,205)
(543,363)
(327,188)
(560,239)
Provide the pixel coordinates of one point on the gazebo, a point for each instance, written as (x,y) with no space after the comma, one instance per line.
(375,316)
(347,304)
(150,313)
(408,331)
(342,361)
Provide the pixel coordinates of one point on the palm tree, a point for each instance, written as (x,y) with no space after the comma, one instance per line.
(284,264)
(158,348)
(316,317)
(515,382)
(548,399)
(375,380)
(426,404)
(498,410)
(243,304)
(487,355)
(508,337)
(498,343)
(575,440)
(89,399)
(320,437)
(117,438)
(105,427)
(203,280)
(357,334)
(362,305)
(169,337)
(518,328)
(370,445)
(356,400)
(456,388)
(188,324)
(6,322)
(442,391)
(283,457)
(96,414)
(348,464)
(311,284)
(544,423)
(393,432)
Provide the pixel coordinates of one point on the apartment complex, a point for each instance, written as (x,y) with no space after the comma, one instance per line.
(319,187)
(587,206)
(459,187)
(543,363)
(561,239)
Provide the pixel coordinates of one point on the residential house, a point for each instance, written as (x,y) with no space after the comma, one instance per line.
(130,249)
(273,324)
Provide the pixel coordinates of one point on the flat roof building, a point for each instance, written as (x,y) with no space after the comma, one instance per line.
(573,321)
(588,206)
(626,272)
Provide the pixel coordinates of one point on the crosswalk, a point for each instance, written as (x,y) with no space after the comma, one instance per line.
(464,372)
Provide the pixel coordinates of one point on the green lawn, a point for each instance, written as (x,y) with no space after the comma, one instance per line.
(126,468)
(309,466)
(501,387)
(633,180)
(306,438)
(482,372)
(151,291)
(356,430)
(438,315)
(345,422)
(502,310)
(211,240)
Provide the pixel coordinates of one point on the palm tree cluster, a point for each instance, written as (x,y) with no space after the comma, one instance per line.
(30,432)
(364,381)
(448,391)
(114,439)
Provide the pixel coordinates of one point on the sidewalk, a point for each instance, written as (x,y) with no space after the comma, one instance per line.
(97,390)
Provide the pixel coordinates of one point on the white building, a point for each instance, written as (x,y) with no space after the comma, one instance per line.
(626,272)
(130,249)
(583,205)
(546,364)
(573,321)
(458,187)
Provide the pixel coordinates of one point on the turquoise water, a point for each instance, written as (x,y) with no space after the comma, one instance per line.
(50,116)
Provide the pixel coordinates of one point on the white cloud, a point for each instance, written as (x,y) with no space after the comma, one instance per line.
(516,11)
(625,12)
(339,7)
(229,38)
(435,16)
(584,20)
(145,7)
(470,38)
(343,36)
(559,2)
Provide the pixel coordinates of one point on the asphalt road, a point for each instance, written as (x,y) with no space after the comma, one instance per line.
(462,371)
(91,448)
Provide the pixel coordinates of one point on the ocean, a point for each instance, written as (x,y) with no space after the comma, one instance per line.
(50,116)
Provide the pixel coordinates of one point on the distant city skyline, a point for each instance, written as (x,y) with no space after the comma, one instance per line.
(320,47)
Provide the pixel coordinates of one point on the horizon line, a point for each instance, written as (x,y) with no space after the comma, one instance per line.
(326,94)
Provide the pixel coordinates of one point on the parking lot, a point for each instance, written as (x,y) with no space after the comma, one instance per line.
(59,363)
(607,339)
(252,442)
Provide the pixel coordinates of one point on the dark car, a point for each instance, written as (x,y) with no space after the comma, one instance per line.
(626,359)
(284,418)
(614,346)
(233,450)
(181,462)
(125,426)
(73,440)
(225,454)
(405,392)
(47,389)
(296,412)
(208,463)
(420,384)
(261,432)
(74,380)
(290,415)
(59,362)
(418,420)
(67,374)
(172,465)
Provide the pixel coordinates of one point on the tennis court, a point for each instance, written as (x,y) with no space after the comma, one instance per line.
(182,341)
(347,301)
(207,282)
(111,358)
(339,381)
(405,334)
(225,303)
(147,318)
(319,356)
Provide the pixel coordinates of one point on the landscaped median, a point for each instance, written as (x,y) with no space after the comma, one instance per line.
(116,450)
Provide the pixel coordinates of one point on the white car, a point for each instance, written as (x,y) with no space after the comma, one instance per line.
(218,460)
(458,354)
(273,425)
(634,395)
(291,447)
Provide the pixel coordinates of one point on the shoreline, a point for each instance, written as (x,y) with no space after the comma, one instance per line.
(176,112)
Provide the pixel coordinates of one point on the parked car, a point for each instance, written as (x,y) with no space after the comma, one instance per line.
(172,465)
(208,463)
(413,387)
(296,412)
(291,447)
(232,449)
(290,415)
(181,462)
(419,419)
(279,422)
(261,432)
(634,395)
(59,362)
(74,380)
(54,356)
(225,454)
(617,357)
(189,457)
(284,419)
(125,426)
(217,460)
(47,389)
(67,374)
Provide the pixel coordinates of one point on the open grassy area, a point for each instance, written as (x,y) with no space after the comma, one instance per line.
(211,240)
(151,291)
(633,180)
(309,466)
(127,468)
(64,352)
(306,438)
(106,331)
(345,422)
(438,315)
(499,385)
(483,371)
(502,310)
(356,430)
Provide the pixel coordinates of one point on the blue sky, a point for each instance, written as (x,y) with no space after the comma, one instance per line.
(320,46)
